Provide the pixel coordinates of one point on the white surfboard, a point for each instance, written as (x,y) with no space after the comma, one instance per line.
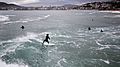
(50,44)
(45,43)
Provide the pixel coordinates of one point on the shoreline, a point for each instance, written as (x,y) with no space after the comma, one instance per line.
(107,11)
(111,11)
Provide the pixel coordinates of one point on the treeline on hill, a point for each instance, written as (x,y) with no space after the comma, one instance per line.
(108,5)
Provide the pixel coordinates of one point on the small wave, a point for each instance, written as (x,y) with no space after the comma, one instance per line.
(61,52)
(26,38)
(110,11)
(8,22)
(78,13)
(61,60)
(21,39)
(20,21)
(47,16)
(102,46)
(3,64)
(92,13)
(13,44)
(106,46)
(27,20)
(9,15)
(115,16)
(4,18)
(106,61)
(65,36)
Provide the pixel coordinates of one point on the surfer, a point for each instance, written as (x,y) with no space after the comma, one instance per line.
(47,39)
(92,20)
(101,30)
(22,27)
(89,28)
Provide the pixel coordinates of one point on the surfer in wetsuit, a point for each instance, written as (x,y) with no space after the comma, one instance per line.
(92,20)
(46,39)
(101,30)
(89,28)
(22,27)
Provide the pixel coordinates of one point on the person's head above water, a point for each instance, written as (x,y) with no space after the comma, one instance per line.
(22,27)
(47,34)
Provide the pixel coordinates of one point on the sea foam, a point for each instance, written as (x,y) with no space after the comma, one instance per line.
(110,11)
(3,64)
(115,16)
(4,18)
(26,20)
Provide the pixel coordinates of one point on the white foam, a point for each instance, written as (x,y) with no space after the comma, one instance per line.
(25,38)
(115,16)
(22,38)
(106,46)
(63,52)
(15,43)
(9,15)
(106,61)
(50,44)
(61,60)
(92,12)
(21,21)
(102,46)
(98,43)
(66,36)
(111,11)
(8,22)
(26,20)
(4,18)
(3,64)
(47,16)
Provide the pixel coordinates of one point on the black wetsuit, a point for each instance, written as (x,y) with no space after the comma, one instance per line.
(89,28)
(22,27)
(46,39)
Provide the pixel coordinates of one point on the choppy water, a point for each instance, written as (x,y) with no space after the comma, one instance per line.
(74,45)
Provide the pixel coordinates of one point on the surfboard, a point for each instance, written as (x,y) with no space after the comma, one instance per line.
(50,44)
(41,42)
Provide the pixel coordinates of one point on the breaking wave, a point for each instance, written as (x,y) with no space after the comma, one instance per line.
(28,20)
(3,64)
(111,11)
(4,18)
(115,16)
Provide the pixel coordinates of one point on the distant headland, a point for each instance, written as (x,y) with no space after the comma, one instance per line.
(108,5)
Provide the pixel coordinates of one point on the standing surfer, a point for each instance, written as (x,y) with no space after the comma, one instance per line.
(46,39)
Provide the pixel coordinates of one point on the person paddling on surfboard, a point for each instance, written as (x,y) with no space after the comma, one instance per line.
(46,39)
(22,27)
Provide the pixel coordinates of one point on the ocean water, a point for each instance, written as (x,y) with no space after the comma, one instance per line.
(73,44)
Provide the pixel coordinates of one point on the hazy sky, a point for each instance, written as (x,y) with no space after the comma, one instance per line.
(47,2)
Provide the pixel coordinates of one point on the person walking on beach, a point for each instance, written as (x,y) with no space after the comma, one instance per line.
(46,39)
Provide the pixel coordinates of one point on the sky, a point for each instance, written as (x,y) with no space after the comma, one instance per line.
(47,2)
